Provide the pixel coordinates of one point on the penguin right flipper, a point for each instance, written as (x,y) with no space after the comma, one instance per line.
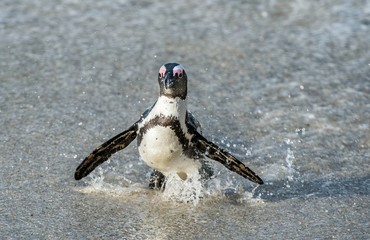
(218,154)
(104,151)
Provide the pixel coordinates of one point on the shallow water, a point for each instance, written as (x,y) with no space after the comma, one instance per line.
(284,85)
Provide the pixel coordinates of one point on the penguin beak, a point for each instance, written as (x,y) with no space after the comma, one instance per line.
(168,81)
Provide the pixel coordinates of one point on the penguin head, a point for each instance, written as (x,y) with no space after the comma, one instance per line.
(173,80)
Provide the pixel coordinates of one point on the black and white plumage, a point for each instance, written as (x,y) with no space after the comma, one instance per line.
(168,137)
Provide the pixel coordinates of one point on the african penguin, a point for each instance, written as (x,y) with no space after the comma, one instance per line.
(168,137)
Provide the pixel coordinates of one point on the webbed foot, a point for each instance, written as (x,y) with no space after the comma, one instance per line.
(157,180)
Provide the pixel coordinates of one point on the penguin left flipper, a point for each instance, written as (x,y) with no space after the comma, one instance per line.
(192,122)
(104,151)
(218,154)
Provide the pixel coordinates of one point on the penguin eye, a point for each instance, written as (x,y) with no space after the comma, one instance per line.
(178,71)
(162,72)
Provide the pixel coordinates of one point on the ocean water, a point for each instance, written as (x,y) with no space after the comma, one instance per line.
(283,85)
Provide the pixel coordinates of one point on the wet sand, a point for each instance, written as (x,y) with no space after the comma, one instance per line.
(284,85)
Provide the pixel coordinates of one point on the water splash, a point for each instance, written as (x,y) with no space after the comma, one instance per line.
(190,190)
(98,185)
(289,159)
(193,190)
(249,197)
(97,182)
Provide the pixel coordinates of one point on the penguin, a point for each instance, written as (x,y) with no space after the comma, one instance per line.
(169,137)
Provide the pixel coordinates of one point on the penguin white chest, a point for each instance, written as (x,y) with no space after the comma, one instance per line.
(160,148)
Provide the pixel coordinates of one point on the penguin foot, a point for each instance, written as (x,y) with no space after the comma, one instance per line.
(157,180)
(206,171)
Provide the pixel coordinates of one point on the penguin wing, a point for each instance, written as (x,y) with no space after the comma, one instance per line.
(146,112)
(104,151)
(218,154)
(193,122)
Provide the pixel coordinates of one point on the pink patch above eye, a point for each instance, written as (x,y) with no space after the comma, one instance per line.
(178,70)
(162,71)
